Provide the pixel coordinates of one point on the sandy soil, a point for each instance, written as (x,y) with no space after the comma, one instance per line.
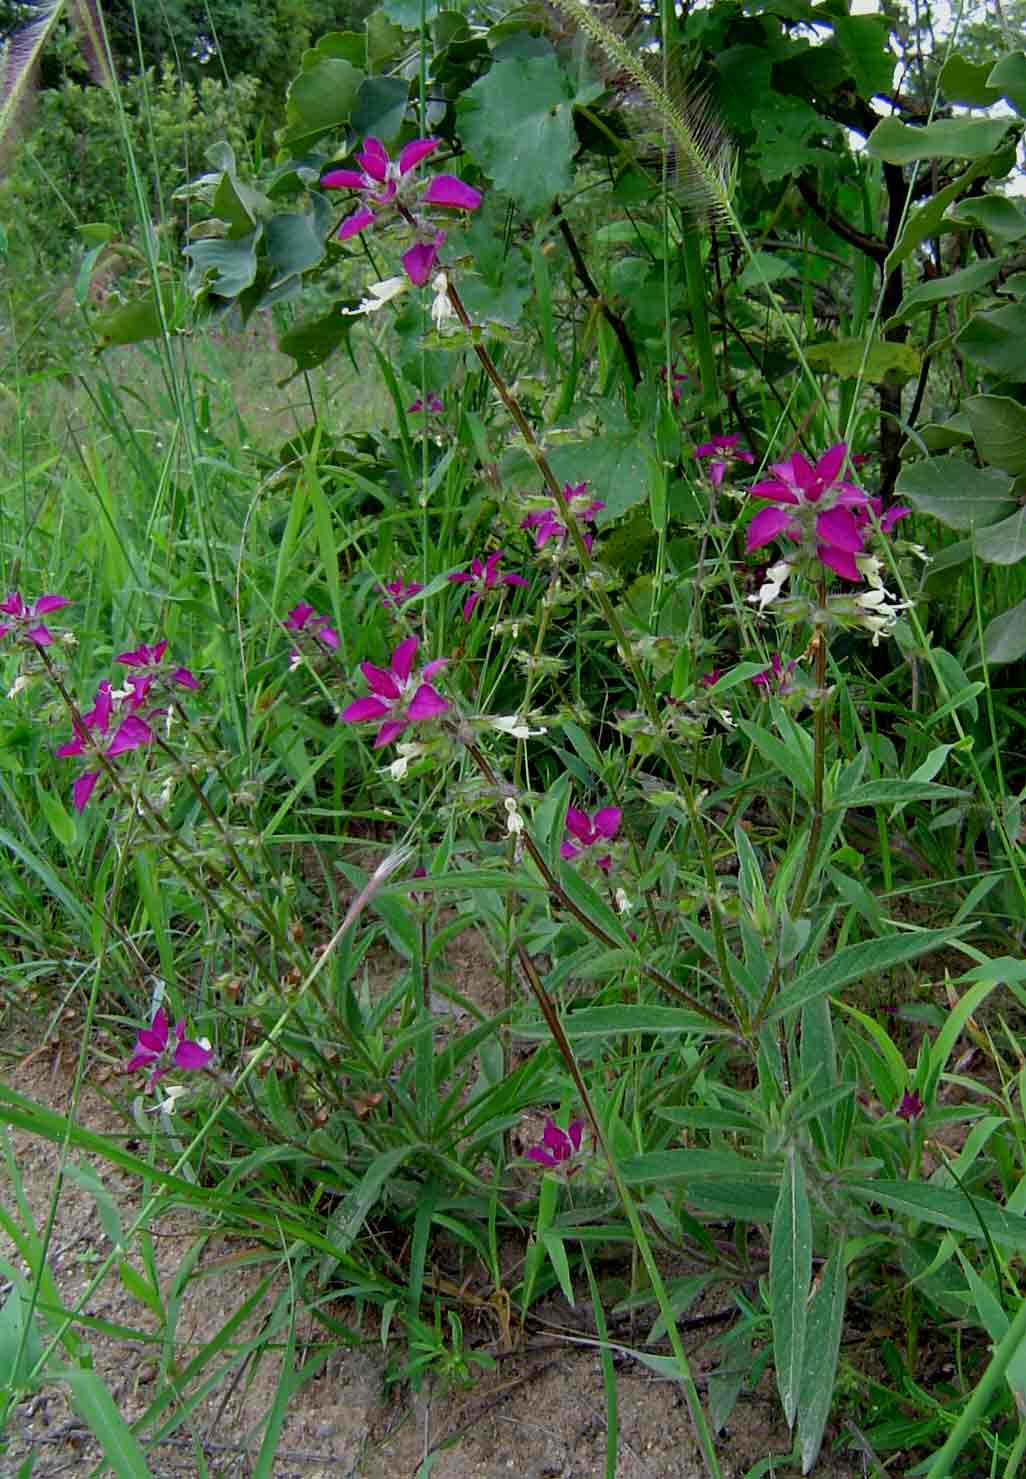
(540,1414)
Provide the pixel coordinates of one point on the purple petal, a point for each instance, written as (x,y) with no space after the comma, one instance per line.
(363,708)
(73,746)
(447,190)
(774,489)
(389,731)
(129,735)
(840,561)
(380,681)
(469,604)
(568,851)
(374,159)
(414,152)
(343,179)
(298,617)
(831,462)
(716,471)
(402,659)
(192,1054)
(184,678)
(325,634)
(49,603)
(514,580)
(605,863)
(607,821)
(461,577)
(155,1036)
(892,517)
(575,1132)
(354,224)
(83,789)
(40,635)
(837,527)
(139,1059)
(157,652)
(578,823)
(98,716)
(14,605)
(767,524)
(542,1157)
(137,658)
(554,1138)
(418,262)
(427,703)
(435,666)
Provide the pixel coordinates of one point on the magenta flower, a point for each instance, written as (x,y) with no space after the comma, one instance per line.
(303,618)
(711,678)
(720,448)
(822,511)
(546,526)
(130,734)
(434,406)
(395,593)
(145,662)
(151,1050)
(557,1146)
(26,618)
(484,577)
(379,182)
(398,695)
(587,831)
(776,675)
(911,1106)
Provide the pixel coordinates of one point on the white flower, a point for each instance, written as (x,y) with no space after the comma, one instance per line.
(379,293)
(511,724)
(776,579)
(398,768)
(726,718)
(441,309)
(20,683)
(623,903)
(514,821)
(166,791)
(878,611)
(70,640)
(173,1092)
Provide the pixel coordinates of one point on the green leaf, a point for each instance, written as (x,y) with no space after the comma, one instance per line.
(12,1325)
(898,793)
(617,1021)
(966,82)
(687,1166)
(91,1399)
(857,963)
(823,1332)
(790,1273)
(948,138)
(997,215)
(997,340)
(783,129)
(999,431)
(787,759)
(61,824)
(591,904)
(381,107)
(407,13)
(315,340)
(942,1207)
(1003,543)
(763,268)
(223,267)
(955,492)
(969,279)
(294,243)
(517,122)
(863,41)
(848,359)
(1009,75)
(1004,638)
(321,100)
(348,1218)
(132,323)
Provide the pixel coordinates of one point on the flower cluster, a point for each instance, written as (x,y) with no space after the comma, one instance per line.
(544,524)
(719,449)
(152,1049)
(584,832)
(24,619)
(818,509)
(399,695)
(380,182)
(395,593)
(484,576)
(115,712)
(557,1146)
(303,618)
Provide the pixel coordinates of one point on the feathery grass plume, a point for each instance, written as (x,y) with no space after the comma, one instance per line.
(702,155)
(21,52)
